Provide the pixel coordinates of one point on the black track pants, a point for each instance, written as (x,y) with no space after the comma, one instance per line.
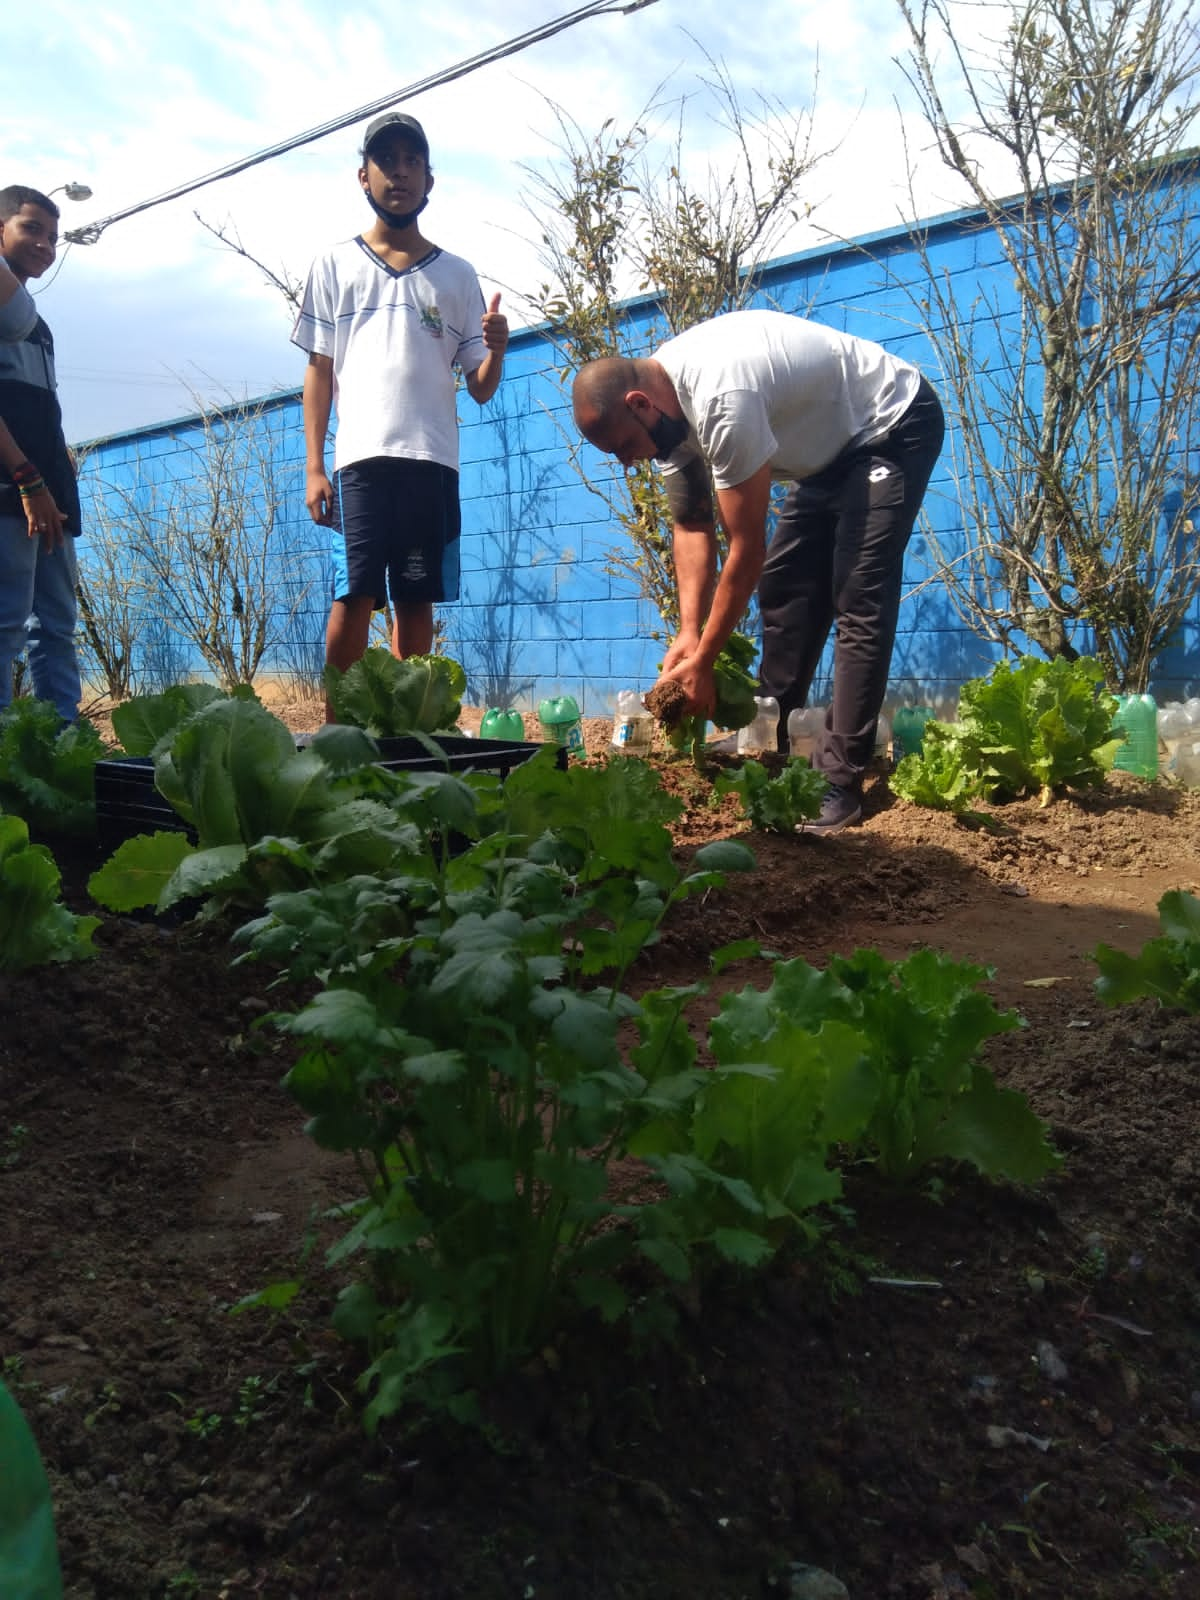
(837,557)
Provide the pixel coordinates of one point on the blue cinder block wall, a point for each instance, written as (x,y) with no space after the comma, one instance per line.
(540,611)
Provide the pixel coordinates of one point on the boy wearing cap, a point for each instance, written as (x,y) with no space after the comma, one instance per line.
(385,319)
(39,502)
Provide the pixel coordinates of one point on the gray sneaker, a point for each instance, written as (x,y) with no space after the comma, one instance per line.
(839,809)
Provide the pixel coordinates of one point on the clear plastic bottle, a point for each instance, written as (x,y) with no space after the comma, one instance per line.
(1173,726)
(633,725)
(883,737)
(804,726)
(763,733)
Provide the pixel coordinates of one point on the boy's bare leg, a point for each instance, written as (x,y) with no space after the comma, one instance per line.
(412,628)
(346,635)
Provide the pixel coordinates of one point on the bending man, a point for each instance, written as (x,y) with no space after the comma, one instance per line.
(736,403)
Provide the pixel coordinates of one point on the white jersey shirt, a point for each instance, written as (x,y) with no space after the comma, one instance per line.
(394,337)
(763,386)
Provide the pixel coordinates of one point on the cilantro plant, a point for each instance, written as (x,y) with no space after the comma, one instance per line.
(47,768)
(35,927)
(468,1047)
(1166,969)
(775,804)
(390,698)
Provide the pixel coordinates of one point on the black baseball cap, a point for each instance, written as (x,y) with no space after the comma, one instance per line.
(400,122)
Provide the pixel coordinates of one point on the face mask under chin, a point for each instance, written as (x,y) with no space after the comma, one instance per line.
(668,434)
(395,219)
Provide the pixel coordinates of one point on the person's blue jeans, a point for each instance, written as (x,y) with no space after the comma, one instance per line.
(38,613)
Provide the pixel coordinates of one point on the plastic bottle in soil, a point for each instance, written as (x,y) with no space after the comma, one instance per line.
(633,725)
(883,738)
(804,725)
(1173,729)
(559,717)
(763,733)
(908,730)
(500,724)
(1137,720)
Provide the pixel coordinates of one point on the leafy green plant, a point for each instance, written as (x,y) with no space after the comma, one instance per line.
(918,1026)
(389,698)
(1032,728)
(1166,969)
(946,774)
(267,816)
(147,721)
(47,768)
(472,1046)
(925,1020)
(35,927)
(776,804)
(735,705)
(467,1047)
(1041,724)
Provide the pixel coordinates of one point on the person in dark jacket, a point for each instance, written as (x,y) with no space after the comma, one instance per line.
(39,502)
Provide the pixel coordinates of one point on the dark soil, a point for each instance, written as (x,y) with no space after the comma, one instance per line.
(979,1392)
(667,703)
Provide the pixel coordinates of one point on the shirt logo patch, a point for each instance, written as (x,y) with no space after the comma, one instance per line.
(431,321)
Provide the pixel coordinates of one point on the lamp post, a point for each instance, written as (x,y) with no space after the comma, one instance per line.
(73,191)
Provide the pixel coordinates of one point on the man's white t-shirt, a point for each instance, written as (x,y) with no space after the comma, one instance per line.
(759,386)
(395,338)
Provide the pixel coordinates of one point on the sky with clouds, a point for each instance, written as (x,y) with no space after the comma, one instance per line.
(137,97)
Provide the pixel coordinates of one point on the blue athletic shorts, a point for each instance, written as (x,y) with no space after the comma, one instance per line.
(398,523)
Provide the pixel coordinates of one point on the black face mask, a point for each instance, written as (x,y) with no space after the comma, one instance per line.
(395,219)
(668,434)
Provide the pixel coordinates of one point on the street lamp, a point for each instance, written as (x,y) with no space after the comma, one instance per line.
(73,191)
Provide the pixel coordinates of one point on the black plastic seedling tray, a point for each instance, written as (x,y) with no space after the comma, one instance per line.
(127,803)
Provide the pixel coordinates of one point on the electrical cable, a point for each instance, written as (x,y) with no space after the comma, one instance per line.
(91,231)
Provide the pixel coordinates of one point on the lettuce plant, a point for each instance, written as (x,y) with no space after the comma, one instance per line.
(47,768)
(266,816)
(1166,969)
(1032,728)
(390,698)
(35,927)
(775,804)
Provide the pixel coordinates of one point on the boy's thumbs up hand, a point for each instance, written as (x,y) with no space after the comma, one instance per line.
(495,326)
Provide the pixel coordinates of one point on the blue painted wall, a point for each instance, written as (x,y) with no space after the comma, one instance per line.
(540,612)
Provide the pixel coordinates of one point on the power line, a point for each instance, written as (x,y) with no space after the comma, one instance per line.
(598,8)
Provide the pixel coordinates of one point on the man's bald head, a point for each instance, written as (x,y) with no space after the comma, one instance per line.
(627,406)
(599,393)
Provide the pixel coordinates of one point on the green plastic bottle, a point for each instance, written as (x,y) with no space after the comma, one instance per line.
(500,724)
(1136,719)
(559,717)
(908,730)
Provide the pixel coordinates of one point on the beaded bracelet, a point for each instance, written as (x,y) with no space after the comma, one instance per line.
(25,472)
(28,490)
